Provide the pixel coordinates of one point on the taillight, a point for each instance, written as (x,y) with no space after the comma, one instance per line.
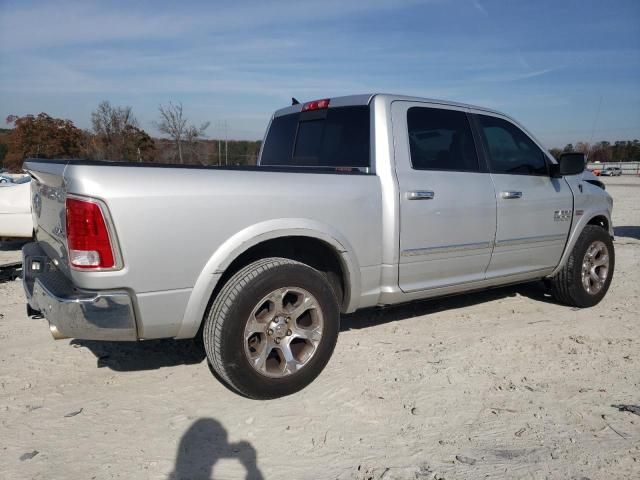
(316,105)
(87,236)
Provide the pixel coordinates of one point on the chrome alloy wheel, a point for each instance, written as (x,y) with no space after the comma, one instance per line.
(595,267)
(283,332)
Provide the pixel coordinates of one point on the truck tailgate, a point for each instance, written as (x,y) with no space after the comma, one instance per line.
(48,195)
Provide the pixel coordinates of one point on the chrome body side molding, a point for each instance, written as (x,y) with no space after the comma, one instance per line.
(447,249)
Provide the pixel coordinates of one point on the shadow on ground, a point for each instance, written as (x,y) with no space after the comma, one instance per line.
(146,355)
(627,231)
(14,244)
(376,316)
(203,444)
(154,354)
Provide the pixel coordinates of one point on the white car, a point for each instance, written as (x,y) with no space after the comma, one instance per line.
(15,208)
(611,172)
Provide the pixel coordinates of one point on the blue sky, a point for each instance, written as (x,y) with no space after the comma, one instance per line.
(547,63)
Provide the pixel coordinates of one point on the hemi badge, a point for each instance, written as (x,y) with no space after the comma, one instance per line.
(579,212)
(562,215)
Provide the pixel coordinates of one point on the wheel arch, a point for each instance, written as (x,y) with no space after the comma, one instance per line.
(600,218)
(303,240)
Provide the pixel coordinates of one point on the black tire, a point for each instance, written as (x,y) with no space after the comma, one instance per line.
(224,326)
(567,286)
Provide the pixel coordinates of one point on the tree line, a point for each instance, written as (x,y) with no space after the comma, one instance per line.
(618,151)
(116,135)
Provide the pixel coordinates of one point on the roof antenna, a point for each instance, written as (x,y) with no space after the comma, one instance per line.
(294,101)
(593,130)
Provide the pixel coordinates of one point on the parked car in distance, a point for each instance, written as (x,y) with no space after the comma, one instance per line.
(15,207)
(611,172)
(356,202)
(14,178)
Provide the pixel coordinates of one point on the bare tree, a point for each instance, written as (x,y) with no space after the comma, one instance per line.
(174,124)
(583,147)
(110,126)
(192,137)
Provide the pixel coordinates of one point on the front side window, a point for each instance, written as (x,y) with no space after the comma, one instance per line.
(510,149)
(441,140)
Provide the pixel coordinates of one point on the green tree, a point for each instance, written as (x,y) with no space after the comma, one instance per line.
(139,146)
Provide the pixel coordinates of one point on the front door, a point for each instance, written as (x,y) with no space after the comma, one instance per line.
(534,210)
(447,200)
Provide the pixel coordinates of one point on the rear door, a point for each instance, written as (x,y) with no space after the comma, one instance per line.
(447,200)
(534,210)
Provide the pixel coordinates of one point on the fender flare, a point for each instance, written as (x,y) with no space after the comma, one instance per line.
(576,231)
(251,236)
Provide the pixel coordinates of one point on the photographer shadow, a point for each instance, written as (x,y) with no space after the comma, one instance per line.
(206,442)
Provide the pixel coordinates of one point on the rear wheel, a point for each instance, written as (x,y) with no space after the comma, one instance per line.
(585,278)
(272,328)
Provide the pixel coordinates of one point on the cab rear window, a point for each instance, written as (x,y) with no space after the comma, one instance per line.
(334,137)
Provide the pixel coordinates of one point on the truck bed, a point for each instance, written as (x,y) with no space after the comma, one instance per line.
(174,223)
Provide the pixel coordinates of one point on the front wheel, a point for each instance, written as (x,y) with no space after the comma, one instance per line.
(272,328)
(585,278)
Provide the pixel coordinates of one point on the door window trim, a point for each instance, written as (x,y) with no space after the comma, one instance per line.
(477,128)
(479,158)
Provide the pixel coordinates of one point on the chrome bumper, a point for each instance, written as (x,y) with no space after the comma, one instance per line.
(73,312)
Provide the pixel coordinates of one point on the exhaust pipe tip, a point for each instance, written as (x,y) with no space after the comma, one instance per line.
(55,333)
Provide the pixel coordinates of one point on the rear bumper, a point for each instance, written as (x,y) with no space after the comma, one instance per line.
(73,312)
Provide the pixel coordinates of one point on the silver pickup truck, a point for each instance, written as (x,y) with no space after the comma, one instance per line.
(358,201)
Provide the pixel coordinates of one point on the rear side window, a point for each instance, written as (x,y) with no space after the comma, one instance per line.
(335,137)
(279,142)
(441,140)
(510,149)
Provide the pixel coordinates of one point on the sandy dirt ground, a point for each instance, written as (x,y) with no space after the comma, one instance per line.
(500,384)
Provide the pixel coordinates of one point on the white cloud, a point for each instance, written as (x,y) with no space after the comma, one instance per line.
(478,6)
(78,23)
(54,25)
(514,76)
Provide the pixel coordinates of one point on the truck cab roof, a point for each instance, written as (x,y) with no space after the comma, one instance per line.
(365,99)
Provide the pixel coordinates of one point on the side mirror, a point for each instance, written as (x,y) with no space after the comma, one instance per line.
(571,163)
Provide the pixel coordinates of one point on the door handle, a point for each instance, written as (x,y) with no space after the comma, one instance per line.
(421,195)
(511,194)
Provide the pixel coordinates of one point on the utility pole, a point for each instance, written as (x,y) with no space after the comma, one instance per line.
(223,127)
(226,143)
